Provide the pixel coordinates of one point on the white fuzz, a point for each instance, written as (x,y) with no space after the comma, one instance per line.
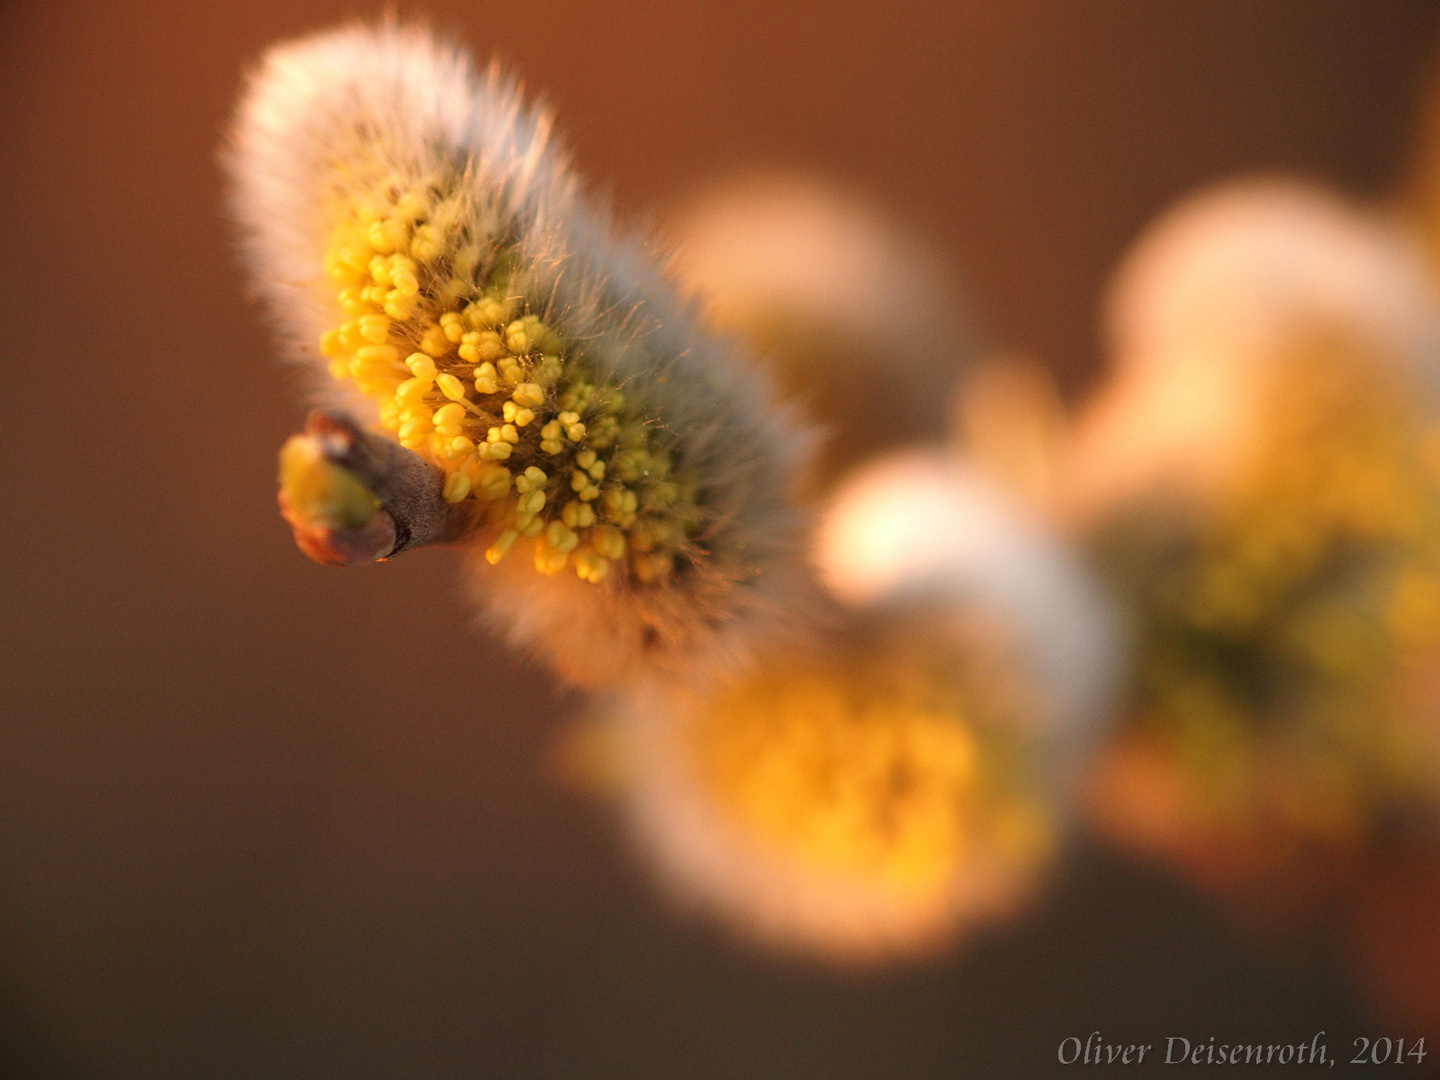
(319,106)
(862,320)
(1209,296)
(916,526)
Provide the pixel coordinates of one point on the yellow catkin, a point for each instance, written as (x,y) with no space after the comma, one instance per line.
(494,396)
(889,767)
(1277,634)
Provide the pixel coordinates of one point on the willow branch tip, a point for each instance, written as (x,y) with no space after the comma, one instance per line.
(353,497)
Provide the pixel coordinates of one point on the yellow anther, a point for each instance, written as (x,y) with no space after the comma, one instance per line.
(330,343)
(492,482)
(529,394)
(350,336)
(551,446)
(602,431)
(532,502)
(374,328)
(509,434)
(516,415)
(380,271)
(448,418)
(585,458)
(451,324)
(568,418)
(530,526)
(620,505)
(548,373)
(344,269)
(485,313)
(560,538)
(577,397)
(403,274)
(458,447)
(575,432)
(649,535)
(487,379)
(352,300)
(591,567)
(411,205)
(377,356)
(427,243)
(535,476)
(457,486)
(493,451)
(452,388)
(421,366)
(413,389)
(400,306)
(608,541)
(653,567)
(411,428)
(550,560)
(387,235)
(510,369)
(597,471)
(662,495)
(578,515)
(528,334)
(501,547)
(339,367)
(434,342)
(375,294)
(481,345)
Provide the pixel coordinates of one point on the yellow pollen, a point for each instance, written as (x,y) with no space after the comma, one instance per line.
(591,567)
(487,380)
(502,545)
(413,389)
(451,387)
(457,486)
(418,295)
(400,306)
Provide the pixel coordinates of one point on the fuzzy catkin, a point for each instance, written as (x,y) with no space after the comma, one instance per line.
(906,778)
(698,570)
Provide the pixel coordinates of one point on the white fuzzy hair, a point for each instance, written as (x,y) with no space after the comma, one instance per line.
(1209,296)
(917,525)
(399,94)
(1235,271)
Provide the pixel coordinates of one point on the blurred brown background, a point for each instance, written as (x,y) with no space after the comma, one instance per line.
(263,819)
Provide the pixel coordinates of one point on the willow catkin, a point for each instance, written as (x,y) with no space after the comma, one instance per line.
(906,777)
(618,477)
